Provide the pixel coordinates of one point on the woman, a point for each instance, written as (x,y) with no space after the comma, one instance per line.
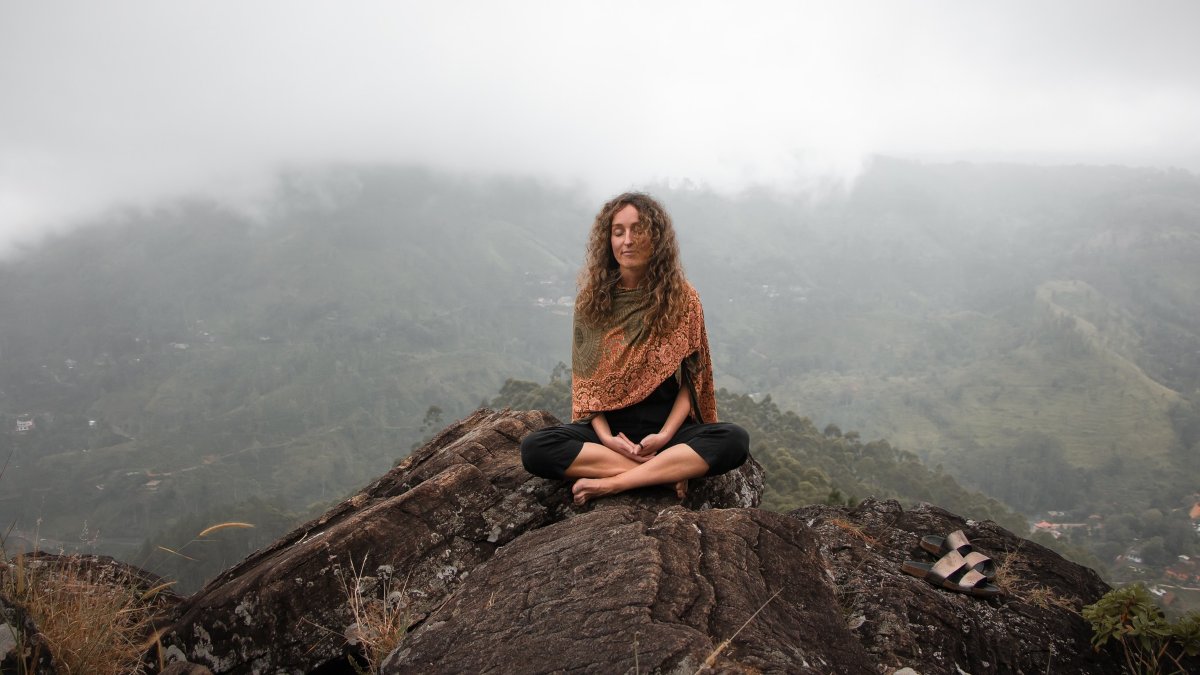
(642,397)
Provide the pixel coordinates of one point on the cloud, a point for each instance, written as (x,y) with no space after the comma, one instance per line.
(131,102)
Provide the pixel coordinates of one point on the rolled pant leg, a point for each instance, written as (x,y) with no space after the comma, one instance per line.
(722,445)
(548,452)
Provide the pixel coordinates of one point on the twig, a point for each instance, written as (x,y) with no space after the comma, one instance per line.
(636,668)
(712,658)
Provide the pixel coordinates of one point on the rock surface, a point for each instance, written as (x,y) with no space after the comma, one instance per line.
(494,571)
(182,668)
(903,621)
(628,589)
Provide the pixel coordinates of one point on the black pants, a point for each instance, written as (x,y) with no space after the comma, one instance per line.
(723,446)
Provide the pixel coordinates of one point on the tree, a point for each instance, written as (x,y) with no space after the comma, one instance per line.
(433,418)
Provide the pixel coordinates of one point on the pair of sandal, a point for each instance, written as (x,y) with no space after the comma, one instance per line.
(960,568)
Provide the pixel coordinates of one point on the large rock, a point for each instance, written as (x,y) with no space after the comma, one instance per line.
(629,589)
(414,535)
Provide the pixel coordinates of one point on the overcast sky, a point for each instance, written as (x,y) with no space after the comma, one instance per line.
(105,103)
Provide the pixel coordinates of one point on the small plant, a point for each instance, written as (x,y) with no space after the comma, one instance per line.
(1150,642)
(380,614)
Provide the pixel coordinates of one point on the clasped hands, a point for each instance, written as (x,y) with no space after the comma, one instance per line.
(638,452)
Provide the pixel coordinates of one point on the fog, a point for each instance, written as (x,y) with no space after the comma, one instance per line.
(134,102)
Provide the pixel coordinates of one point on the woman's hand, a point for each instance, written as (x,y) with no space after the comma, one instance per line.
(651,444)
(622,445)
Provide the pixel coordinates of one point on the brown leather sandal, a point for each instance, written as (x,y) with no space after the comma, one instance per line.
(957,541)
(953,574)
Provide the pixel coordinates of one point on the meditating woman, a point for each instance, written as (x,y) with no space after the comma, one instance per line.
(642,397)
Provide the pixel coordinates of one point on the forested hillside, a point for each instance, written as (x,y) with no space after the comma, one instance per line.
(191,362)
(1033,331)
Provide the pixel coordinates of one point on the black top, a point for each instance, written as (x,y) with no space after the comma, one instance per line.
(646,416)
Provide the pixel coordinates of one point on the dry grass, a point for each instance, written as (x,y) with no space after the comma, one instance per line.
(380,613)
(221,526)
(201,537)
(1011,573)
(91,625)
(94,617)
(854,530)
(1044,598)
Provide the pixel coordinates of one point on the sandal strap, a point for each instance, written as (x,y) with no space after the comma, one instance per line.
(980,562)
(948,566)
(971,579)
(957,541)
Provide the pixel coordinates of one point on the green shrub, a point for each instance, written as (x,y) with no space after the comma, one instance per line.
(1150,642)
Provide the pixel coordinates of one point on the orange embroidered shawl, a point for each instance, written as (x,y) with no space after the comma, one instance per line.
(617,365)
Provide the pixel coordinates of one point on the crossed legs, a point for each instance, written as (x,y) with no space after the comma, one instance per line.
(571,451)
(601,475)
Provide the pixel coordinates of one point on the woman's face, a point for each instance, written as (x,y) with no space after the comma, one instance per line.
(630,238)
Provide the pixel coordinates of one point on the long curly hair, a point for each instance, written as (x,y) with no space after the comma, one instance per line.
(665,280)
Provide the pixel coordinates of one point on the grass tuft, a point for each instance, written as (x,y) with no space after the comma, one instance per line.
(853,529)
(1043,597)
(90,624)
(380,613)
(1011,573)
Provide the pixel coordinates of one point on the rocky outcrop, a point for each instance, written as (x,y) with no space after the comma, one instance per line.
(494,570)
(903,621)
(415,535)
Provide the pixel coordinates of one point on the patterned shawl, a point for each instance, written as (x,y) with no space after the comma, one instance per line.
(617,365)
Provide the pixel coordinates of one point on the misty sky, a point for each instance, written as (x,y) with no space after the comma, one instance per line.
(106,103)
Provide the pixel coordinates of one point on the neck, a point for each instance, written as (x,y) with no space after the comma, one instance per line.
(631,278)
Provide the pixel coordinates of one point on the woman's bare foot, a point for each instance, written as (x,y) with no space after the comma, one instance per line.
(589,488)
(681,489)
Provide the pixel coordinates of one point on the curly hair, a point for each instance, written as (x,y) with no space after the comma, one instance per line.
(664,278)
